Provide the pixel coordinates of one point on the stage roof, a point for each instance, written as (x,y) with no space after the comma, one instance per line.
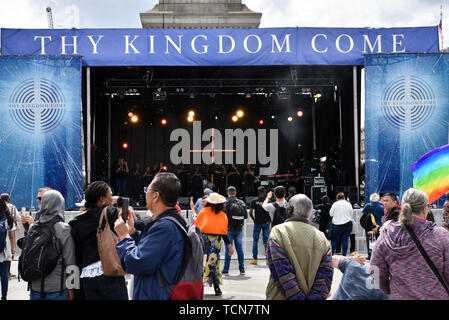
(220,47)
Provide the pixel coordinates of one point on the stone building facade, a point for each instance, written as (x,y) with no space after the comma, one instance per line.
(185,14)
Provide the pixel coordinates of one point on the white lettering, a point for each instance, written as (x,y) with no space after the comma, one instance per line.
(286,42)
(396,43)
(205,47)
(177,47)
(130,44)
(95,43)
(371,47)
(351,41)
(259,41)
(220,37)
(151,44)
(42,42)
(64,45)
(314,44)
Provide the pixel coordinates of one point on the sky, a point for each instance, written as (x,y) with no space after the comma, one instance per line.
(275,13)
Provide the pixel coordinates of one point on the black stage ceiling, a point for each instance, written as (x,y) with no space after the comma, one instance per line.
(268,93)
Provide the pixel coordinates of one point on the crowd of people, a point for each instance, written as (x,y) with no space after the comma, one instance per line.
(408,260)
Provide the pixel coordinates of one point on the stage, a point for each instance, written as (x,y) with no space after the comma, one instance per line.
(139,86)
(270,98)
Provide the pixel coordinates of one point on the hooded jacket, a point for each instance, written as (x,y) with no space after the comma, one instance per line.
(53,205)
(403,273)
(160,246)
(84,232)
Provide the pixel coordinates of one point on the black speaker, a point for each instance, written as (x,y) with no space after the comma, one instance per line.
(317,193)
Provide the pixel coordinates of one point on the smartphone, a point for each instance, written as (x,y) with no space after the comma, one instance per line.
(125,205)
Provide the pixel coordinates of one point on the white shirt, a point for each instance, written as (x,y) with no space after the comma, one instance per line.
(341,212)
(93,270)
(271,209)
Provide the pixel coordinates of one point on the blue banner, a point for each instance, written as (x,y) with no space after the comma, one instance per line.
(40,135)
(219,47)
(406,116)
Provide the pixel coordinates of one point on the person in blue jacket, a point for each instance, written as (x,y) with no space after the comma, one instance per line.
(357,282)
(375,207)
(160,246)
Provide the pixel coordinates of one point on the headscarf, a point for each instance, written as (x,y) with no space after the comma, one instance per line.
(52,205)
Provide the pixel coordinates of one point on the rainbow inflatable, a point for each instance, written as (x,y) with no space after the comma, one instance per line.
(431,173)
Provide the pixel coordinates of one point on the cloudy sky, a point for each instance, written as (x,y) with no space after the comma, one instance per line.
(276,13)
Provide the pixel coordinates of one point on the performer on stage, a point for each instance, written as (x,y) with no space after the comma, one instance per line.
(197,182)
(217,175)
(182,174)
(234,178)
(249,177)
(121,174)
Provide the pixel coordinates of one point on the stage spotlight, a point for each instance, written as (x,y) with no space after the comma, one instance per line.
(300,113)
(190,119)
(240,113)
(216,117)
(235,118)
(125,145)
(130,114)
(134,119)
(164,122)
(290,119)
(272,117)
(261,122)
(191,113)
(318,95)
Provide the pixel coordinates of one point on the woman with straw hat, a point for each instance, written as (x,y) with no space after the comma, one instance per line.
(213,223)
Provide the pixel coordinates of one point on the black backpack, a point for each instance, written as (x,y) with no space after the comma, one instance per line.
(236,210)
(3,234)
(365,219)
(279,215)
(40,252)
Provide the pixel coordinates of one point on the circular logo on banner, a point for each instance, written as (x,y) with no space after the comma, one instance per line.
(37,105)
(408,102)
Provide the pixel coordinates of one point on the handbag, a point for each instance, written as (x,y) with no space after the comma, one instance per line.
(106,241)
(426,257)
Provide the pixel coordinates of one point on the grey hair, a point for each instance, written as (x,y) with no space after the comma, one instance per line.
(374,197)
(302,208)
(413,202)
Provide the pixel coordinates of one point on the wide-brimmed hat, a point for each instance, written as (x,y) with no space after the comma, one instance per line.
(215,198)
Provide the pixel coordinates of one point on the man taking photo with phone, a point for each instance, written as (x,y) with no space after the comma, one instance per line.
(159,247)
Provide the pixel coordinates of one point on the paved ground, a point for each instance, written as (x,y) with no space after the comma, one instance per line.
(235,287)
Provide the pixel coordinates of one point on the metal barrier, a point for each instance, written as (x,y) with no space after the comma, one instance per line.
(247,239)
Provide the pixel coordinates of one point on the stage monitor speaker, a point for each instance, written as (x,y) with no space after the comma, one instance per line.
(248,200)
(184,203)
(318,192)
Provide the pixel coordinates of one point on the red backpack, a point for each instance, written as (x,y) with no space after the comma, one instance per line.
(190,282)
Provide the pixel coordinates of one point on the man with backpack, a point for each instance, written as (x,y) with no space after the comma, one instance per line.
(48,249)
(165,259)
(236,211)
(276,209)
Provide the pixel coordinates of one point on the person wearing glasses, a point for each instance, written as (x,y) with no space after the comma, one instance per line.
(27,219)
(445,223)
